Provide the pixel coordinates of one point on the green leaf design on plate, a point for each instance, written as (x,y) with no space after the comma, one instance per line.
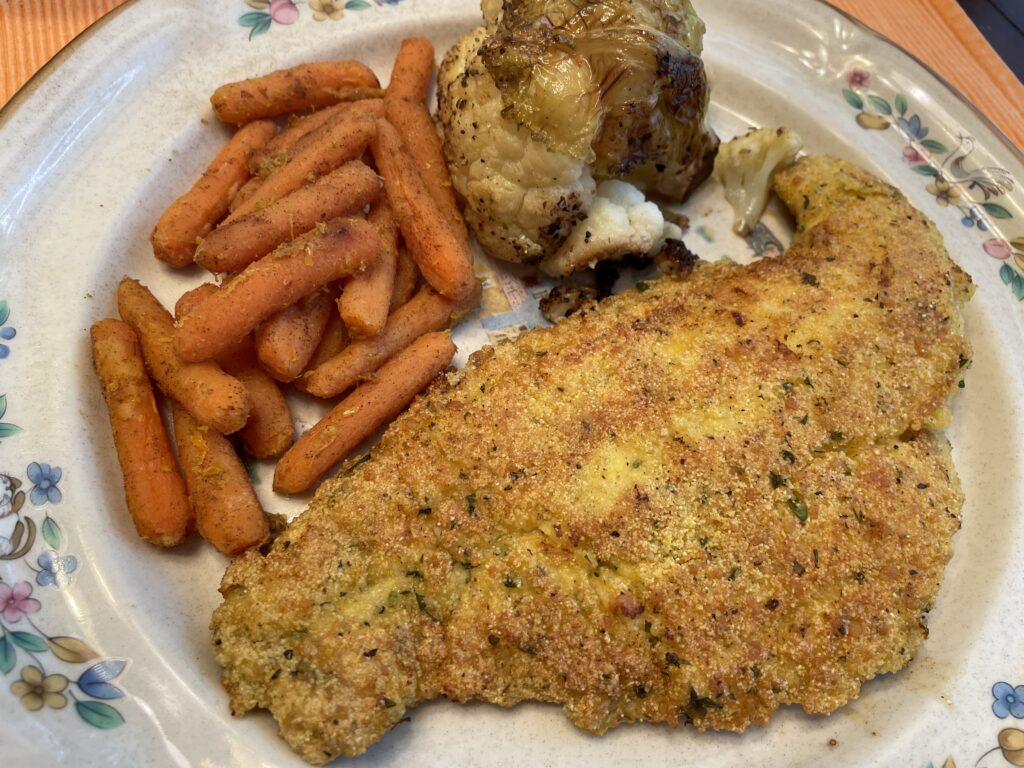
(28,642)
(98,714)
(935,147)
(6,430)
(253,18)
(996,211)
(880,104)
(926,170)
(3,405)
(7,655)
(901,104)
(5,311)
(853,99)
(51,532)
(1018,287)
(1006,273)
(71,649)
(357,5)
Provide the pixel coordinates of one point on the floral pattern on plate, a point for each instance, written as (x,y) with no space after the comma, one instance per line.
(46,668)
(267,13)
(956,183)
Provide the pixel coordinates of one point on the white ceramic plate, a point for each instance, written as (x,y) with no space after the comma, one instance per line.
(100,143)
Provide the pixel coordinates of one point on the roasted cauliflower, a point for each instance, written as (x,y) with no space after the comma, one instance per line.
(551,97)
(746,166)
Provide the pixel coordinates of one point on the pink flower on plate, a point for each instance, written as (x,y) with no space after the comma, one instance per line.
(913,156)
(15,601)
(997,249)
(283,11)
(858,78)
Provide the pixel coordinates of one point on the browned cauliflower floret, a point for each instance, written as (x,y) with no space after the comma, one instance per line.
(522,198)
(552,95)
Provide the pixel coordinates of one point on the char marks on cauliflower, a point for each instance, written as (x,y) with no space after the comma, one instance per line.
(552,95)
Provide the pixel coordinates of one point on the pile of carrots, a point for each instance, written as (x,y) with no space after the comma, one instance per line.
(324,229)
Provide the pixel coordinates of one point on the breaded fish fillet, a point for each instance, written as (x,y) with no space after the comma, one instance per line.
(695,502)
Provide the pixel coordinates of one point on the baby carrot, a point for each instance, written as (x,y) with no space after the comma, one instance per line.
(274,282)
(407,279)
(426,311)
(342,138)
(335,338)
(280,148)
(366,298)
(346,189)
(153,487)
(193,214)
(306,86)
(410,77)
(363,412)
(286,341)
(228,514)
(268,431)
(209,394)
(443,258)
(419,136)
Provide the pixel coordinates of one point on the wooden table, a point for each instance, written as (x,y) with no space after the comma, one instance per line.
(936,31)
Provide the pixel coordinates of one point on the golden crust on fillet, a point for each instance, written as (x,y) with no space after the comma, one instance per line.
(694,503)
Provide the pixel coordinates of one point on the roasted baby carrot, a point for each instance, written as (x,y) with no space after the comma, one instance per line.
(209,394)
(346,189)
(307,86)
(363,412)
(268,431)
(228,515)
(286,341)
(196,212)
(274,282)
(407,278)
(419,136)
(426,311)
(366,298)
(341,139)
(153,487)
(335,338)
(280,148)
(410,77)
(442,256)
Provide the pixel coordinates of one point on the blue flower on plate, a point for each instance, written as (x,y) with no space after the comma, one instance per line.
(44,479)
(912,128)
(1008,700)
(56,569)
(6,332)
(975,219)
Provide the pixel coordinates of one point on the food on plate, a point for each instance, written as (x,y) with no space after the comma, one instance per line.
(425,312)
(358,416)
(340,139)
(153,488)
(551,97)
(268,430)
(745,167)
(196,212)
(307,86)
(285,343)
(443,258)
(414,65)
(232,247)
(620,220)
(213,397)
(228,515)
(697,501)
(294,269)
(419,136)
(364,302)
(309,219)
